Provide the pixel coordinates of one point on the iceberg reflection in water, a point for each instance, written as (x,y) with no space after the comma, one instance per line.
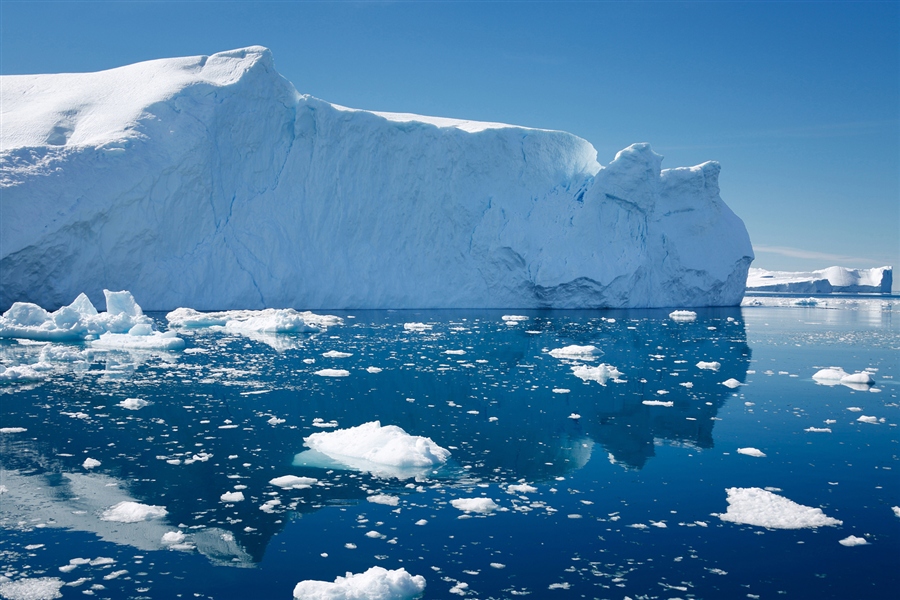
(597,486)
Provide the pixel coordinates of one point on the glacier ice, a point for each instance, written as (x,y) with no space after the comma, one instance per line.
(823,281)
(210,182)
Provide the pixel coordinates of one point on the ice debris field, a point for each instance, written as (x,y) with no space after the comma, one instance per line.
(688,453)
(210,182)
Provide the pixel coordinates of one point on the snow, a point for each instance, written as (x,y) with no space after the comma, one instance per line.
(853,540)
(210,182)
(371,446)
(823,281)
(38,588)
(132,512)
(574,352)
(752,452)
(293,482)
(377,583)
(477,505)
(755,506)
(601,373)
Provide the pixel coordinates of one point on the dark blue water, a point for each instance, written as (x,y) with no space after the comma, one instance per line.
(627,494)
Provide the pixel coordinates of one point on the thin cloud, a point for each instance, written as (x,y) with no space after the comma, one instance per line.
(811,254)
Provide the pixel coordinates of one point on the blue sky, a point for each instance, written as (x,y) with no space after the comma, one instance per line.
(799,101)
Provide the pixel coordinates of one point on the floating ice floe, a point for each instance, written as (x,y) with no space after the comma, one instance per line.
(416,327)
(520,488)
(818,429)
(668,403)
(477,505)
(337,354)
(90,463)
(370,447)
(896,510)
(22,373)
(374,370)
(13,429)
(132,512)
(123,325)
(385,499)
(709,366)
(133,403)
(756,506)
(684,316)
(377,583)
(269,320)
(172,537)
(561,390)
(837,376)
(332,373)
(574,352)
(853,540)
(32,588)
(601,373)
(293,482)
(731,383)
(868,419)
(752,452)
(513,319)
(574,416)
(232,497)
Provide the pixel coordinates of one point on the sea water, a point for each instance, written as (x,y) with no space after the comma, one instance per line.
(602,490)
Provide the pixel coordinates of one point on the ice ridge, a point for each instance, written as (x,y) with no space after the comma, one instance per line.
(211,182)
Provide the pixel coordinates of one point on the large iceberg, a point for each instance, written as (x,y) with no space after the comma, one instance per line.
(823,281)
(210,182)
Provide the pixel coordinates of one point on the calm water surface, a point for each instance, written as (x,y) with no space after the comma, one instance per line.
(627,494)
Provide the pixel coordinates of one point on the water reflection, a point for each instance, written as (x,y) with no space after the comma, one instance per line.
(230,414)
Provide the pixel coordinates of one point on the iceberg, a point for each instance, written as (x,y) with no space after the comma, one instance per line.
(823,281)
(211,182)
(377,583)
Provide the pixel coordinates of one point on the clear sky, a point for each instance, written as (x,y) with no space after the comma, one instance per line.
(799,101)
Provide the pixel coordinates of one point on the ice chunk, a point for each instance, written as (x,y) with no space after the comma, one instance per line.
(513,319)
(32,588)
(373,369)
(853,540)
(752,452)
(731,383)
(372,447)
(13,429)
(377,583)
(601,373)
(658,403)
(574,352)
(896,510)
(684,316)
(90,463)
(232,497)
(867,419)
(384,499)
(133,403)
(336,354)
(332,373)
(709,366)
(132,512)
(168,340)
(477,505)
(293,482)
(756,506)
(172,537)
(520,488)
(416,327)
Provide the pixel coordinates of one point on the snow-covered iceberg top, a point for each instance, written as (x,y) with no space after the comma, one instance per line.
(123,325)
(210,182)
(381,450)
(377,583)
(823,281)
(270,320)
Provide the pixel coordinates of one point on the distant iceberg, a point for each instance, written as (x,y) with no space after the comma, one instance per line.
(823,281)
(210,182)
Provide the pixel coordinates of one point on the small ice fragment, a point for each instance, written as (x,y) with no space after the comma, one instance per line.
(752,452)
(132,512)
(384,499)
(520,488)
(292,482)
(559,586)
(455,352)
(133,403)
(375,535)
(574,416)
(709,366)
(477,505)
(498,566)
(336,354)
(416,327)
(601,373)
(514,318)
(275,421)
(561,390)
(332,373)
(574,352)
(377,583)
(232,497)
(12,430)
(658,403)
(90,463)
(31,588)
(818,429)
(421,522)
(854,409)
(731,383)
(683,316)
(373,369)
(864,378)
(865,419)
(172,537)
(852,540)
(687,384)
(896,510)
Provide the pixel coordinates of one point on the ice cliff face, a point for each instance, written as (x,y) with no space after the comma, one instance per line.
(211,182)
(823,281)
